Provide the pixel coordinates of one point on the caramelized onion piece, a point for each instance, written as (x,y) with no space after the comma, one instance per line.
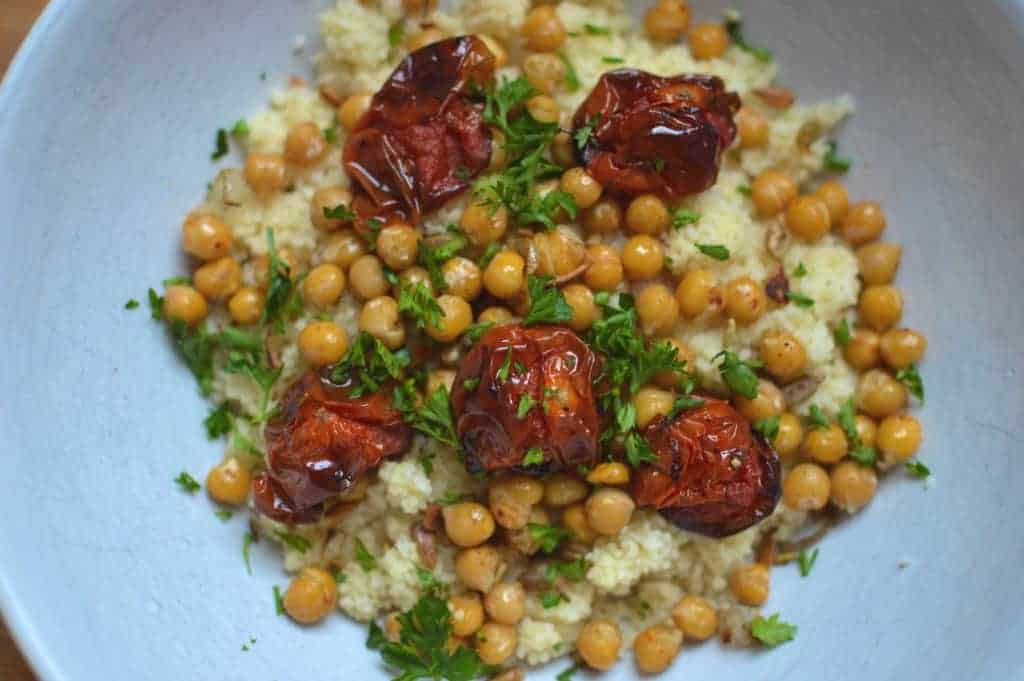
(546,374)
(656,135)
(423,139)
(322,443)
(714,475)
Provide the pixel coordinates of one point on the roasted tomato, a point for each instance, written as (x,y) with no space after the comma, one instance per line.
(656,135)
(322,442)
(529,391)
(715,475)
(423,139)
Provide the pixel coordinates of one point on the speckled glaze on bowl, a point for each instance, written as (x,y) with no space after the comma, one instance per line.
(108,572)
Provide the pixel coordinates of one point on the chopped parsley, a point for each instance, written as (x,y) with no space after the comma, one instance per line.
(417,303)
(865,456)
(488,256)
(223,514)
(572,570)
(427,463)
(716,251)
(550,599)
(911,378)
(526,403)
(613,60)
(246,357)
(240,128)
(534,457)
(799,299)
(745,190)
(842,334)
(364,557)
(331,133)
(432,418)
(247,542)
(219,422)
(220,149)
(340,577)
(772,631)
(470,384)
(847,420)
(396,34)
(572,80)
(568,673)
(427,579)
(638,451)
(278,600)
(340,212)
(684,218)
(156,305)
(917,469)
(294,541)
(800,271)
(805,561)
(659,164)
(738,375)
(683,403)
(768,427)
(816,417)
(583,135)
(433,258)
(279,289)
(187,483)
(505,366)
(548,537)
(735,29)
(131,304)
(450,498)
(833,162)
(547,304)
(370,364)
(592,29)
(475,332)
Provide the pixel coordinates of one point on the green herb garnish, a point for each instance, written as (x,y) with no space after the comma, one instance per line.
(131,304)
(364,557)
(805,561)
(534,457)
(842,334)
(799,299)
(572,80)
(187,483)
(738,375)
(547,304)
(218,422)
(816,417)
(917,469)
(833,162)
(715,251)
(417,303)
(735,29)
(548,537)
(684,218)
(911,378)
(772,631)
(278,600)
(768,427)
(220,145)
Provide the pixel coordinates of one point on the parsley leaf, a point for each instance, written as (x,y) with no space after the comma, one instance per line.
(745,190)
(278,600)
(331,133)
(534,457)
(240,128)
(833,161)
(223,514)
(768,427)
(585,132)
(131,304)
(475,332)
(716,251)
(370,364)
(865,456)
(505,366)
(450,498)
(842,334)
(247,358)
(340,212)
(156,305)
(799,299)
(683,218)
(548,537)
(800,271)
(196,346)
(550,599)
(568,673)
(735,29)
(364,557)
(219,422)
(396,34)
(433,258)
(638,451)
(917,469)
(547,304)
(572,570)
(247,542)
(911,378)
(488,256)
(613,60)
(279,288)
(847,420)
(805,561)
(419,305)
(738,375)
(221,145)
(816,417)
(427,579)
(591,29)
(434,418)
(772,631)
(526,403)
(572,80)
(294,541)
(187,483)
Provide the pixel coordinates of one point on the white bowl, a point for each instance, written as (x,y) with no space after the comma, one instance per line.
(108,572)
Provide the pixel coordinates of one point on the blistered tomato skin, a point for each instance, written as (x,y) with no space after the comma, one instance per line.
(546,374)
(656,135)
(423,139)
(715,475)
(321,443)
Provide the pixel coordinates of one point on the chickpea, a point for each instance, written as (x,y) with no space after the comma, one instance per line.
(697,293)
(745,300)
(496,48)
(879,394)
(878,262)
(482,224)
(790,437)
(542,30)
(506,603)
(352,110)
(667,21)
(696,618)
(806,488)
(499,316)
(657,310)
(523,540)
(311,596)
(427,36)
(898,438)
(880,306)
(643,257)
(863,223)
(656,647)
(266,174)
(604,217)
(808,217)
(584,189)
(185,304)
(219,279)
(609,511)
(900,347)
(398,245)
(563,150)
(750,583)
(324,200)
(228,482)
(609,473)
(544,109)
(342,249)
(381,319)
(366,277)
(324,285)
(463,278)
(754,128)
(467,614)
(853,486)
(647,214)
(769,402)
(651,403)
(468,523)
(605,270)
(867,430)
(305,145)
(783,355)
(575,520)
(584,310)
(599,643)
(708,41)
(863,350)
(495,642)
(833,193)
(479,567)
(511,499)
(505,275)
(546,72)
(826,445)
(323,343)
(456,316)
(559,253)
(771,192)
(562,490)
(206,237)
(246,306)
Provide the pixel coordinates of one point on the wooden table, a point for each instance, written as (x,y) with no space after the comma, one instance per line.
(15,19)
